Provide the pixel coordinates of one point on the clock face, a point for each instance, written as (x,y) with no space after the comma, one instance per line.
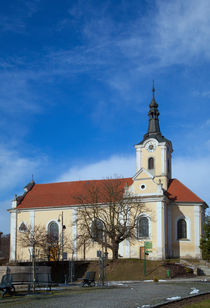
(151,146)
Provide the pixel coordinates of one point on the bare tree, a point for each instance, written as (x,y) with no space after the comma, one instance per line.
(41,243)
(108,214)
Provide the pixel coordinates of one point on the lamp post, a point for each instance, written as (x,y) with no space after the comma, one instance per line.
(63,227)
(60,219)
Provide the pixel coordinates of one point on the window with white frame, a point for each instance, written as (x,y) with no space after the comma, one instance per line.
(181,229)
(151,163)
(53,231)
(97,228)
(143,227)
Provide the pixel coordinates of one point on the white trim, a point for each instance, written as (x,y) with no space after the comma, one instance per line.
(197,229)
(74,232)
(186,204)
(121,250)
(159,229)
(149,226)
(13,235)
(14,204)
(158,194)
(141,146)
(188,222)
(32,220)
(169,224)
(140,171)
(138,159)
(127,249)
(163,160)
(142,188)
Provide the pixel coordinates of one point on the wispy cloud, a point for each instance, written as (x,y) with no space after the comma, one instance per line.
(16,18)
(170,33)
(12,24)
(15,168)
(15,172)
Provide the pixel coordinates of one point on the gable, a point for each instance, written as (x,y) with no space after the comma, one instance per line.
(144,184)
(142,174)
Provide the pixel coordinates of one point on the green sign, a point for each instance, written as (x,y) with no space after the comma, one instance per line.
(147,245)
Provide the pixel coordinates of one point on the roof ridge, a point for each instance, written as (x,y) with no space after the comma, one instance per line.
(98,180)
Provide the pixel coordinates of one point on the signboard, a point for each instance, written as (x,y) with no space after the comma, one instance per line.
(147,247)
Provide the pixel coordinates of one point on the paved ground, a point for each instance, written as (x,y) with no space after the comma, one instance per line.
(124,295)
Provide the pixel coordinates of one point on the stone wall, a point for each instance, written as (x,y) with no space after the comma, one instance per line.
(22,269)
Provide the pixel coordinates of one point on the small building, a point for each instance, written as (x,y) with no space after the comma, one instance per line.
(171,225)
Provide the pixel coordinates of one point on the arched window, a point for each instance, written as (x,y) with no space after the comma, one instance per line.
(181,229)
(22,227)
(97,230)
(151,163)
(142,227)
(53,232)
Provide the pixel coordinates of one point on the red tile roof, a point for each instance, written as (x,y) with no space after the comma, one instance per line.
(180,193)
(63,194)
(66,193)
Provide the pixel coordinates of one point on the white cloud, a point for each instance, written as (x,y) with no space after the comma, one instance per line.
(15,169)
(181,31)
(192,172)
(112,167)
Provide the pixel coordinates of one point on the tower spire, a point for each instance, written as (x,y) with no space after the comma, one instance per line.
(153,127)
(153,114)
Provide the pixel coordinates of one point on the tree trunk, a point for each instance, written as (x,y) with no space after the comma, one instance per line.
(115,248)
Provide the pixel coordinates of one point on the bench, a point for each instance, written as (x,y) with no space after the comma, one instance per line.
(9,281)
(6,285)
(89,279)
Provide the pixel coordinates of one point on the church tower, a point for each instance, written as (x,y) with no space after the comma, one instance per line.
(153,153)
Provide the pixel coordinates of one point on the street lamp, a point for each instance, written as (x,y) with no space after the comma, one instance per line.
(63,227)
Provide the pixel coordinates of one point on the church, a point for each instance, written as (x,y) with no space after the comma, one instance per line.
(171,225)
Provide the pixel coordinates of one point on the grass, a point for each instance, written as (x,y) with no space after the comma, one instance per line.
(133,269)
(203,304)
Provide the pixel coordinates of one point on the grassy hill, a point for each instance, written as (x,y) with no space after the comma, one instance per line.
(133,269)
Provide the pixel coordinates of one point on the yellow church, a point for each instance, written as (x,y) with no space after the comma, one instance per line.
(170,225)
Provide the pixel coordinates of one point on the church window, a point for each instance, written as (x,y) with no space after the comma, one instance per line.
(97,230)
(151,163)
(181,229)
(143,227)
(53,232)
(22,227)
(143,186)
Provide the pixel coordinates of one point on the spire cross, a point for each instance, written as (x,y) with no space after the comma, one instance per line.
(153,88)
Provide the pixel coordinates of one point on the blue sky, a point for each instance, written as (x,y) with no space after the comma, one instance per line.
(75,84)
